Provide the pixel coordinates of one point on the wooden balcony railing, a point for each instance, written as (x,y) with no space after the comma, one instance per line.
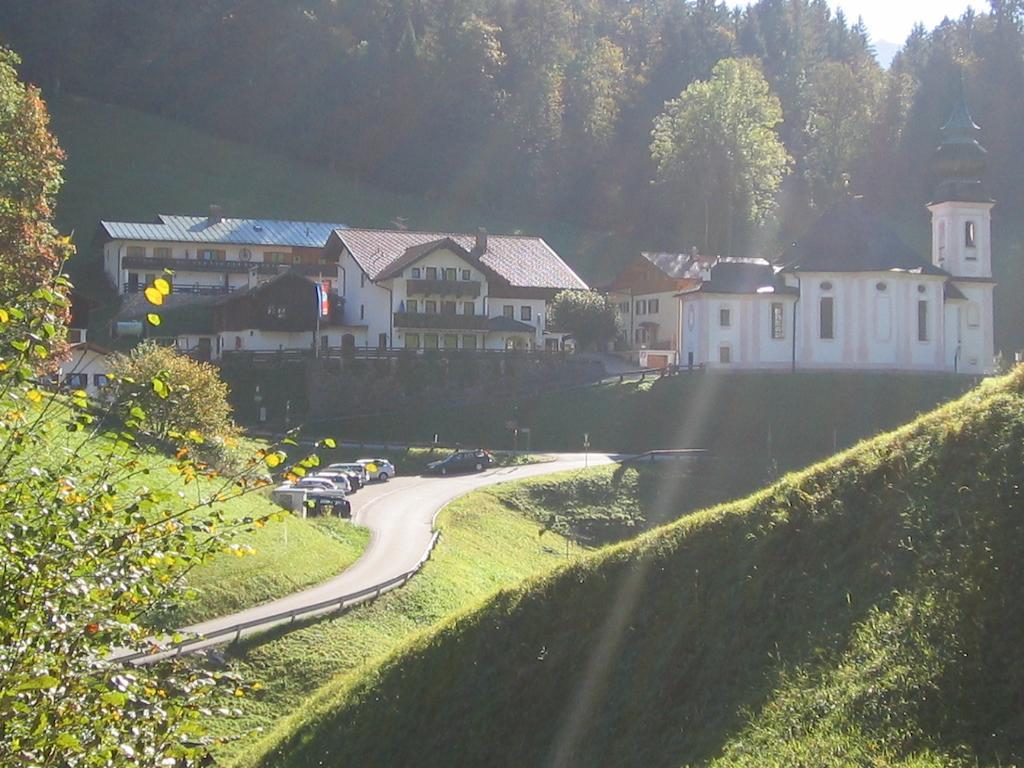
(440,322)
(458,288)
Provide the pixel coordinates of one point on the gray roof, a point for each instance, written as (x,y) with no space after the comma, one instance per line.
(525,262)
(198,229)
(744,276)
(675,265)
(507,324)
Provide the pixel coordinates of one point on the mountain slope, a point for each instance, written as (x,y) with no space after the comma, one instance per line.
(128,165)
(864,612)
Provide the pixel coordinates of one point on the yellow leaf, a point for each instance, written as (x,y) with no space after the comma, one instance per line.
(4,316)
(162,285)
(153,318)
(153,296)
(34,395)
(273,459)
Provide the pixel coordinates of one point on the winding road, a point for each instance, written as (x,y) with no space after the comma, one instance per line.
(400,515)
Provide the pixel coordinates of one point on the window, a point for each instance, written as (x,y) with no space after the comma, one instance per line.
(778,321)
(211,254)
(416,273)
(362,279)
(362,311)
(448,307)
(725,355)
(826,318)
(430,341)
(973,315)
(469,342)
(411,306)
(74,335)
(468,308)
(922,321)
(725,317)
(883,318)
(467,275)
(325,342)
(162,252)
(970,235)
(641,307)
(652,307)
(431,273)
(624,308)
(412,341)
(382,341)
(430,307)
(277,257)
(100,380)
(451,274)
(508,311)
(941,237)
(136,252)
(526,313)
(451,341)
(77,380)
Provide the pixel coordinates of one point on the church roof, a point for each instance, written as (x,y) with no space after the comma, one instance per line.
(850,238)
(743,276)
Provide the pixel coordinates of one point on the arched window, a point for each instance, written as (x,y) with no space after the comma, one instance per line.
(970,235)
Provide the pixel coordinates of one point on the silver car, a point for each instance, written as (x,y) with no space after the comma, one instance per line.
(378,469)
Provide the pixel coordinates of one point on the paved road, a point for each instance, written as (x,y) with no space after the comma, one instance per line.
(400,515)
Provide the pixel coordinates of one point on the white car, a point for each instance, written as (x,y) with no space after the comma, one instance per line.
(337,477)
(377,469)
(323,484)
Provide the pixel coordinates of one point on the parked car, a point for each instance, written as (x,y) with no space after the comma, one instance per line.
(377,469)
(338,485)
(355,482)
(461,461)
(355,469)
(324,505)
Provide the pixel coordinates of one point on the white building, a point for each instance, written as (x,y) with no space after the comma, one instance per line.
(435,290)
(853,296)
(87,368)
(212,255)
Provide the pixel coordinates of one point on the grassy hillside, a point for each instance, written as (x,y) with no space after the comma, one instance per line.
(285,556)
(483,546)
(864,612)
(770,419)
(128,165)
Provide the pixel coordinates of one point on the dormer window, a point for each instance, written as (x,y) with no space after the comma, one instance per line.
(970,235)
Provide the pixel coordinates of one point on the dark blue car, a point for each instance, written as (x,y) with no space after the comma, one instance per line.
(461,461)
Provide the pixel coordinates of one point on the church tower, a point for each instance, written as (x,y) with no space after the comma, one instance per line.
(962,243)
(961,209)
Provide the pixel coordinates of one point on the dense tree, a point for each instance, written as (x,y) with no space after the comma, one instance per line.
(717,145)
(591,318)
(30,175)
(191,398)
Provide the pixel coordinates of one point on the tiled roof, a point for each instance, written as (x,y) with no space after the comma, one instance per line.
(851,238)
(198,229)
(746,276)
(675,265)
(525,262)
(508,324)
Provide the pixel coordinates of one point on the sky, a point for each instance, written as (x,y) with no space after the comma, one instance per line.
(891,20)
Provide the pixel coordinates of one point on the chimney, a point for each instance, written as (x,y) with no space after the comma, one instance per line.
(481,241)
(216,216)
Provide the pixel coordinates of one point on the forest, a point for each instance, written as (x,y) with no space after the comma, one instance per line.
(595,111)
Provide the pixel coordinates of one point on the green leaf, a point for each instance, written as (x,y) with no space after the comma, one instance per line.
(329,442)
(42,682)
(153,318)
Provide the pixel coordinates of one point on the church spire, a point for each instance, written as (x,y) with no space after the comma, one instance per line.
(960,160)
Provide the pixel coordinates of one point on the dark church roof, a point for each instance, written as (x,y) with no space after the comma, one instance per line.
(851,238)
(733,275)
(960,161)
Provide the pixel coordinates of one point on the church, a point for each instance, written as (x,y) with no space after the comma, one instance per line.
(850,295)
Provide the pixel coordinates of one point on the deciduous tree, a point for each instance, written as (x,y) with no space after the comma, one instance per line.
(591,317)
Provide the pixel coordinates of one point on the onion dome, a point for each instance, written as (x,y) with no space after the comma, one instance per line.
(960,161)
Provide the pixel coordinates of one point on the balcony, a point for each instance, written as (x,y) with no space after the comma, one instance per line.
(186,265)
(419,320)
(198,290)
(469,289)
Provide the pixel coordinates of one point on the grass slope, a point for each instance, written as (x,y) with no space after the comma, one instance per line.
(866,611)
(286,555)
(128,165)
(483,546)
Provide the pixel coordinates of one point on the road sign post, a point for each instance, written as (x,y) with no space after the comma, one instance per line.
(586,450)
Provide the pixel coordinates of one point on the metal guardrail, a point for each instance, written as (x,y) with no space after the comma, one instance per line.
(340,603)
